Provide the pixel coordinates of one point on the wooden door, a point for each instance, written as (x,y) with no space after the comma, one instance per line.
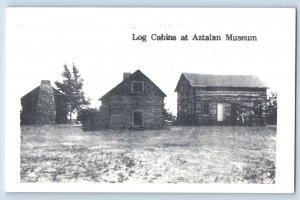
(137,118)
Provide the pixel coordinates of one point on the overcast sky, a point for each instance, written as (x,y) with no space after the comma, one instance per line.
(99,41)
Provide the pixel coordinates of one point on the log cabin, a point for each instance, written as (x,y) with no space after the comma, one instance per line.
(135,103)
(205,99)
(44,105)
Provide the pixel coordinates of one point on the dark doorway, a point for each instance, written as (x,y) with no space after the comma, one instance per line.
(137,118)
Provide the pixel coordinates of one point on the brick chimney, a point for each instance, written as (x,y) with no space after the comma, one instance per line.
(126,75)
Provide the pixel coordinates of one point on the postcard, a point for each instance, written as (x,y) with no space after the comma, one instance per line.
(183,100)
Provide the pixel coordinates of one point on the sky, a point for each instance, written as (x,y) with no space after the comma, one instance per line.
(40,41)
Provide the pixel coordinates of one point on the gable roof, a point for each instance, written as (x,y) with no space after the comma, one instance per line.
(33,93)
(119,87)
(234,81)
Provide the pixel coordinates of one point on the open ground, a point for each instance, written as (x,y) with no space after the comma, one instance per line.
(208,154)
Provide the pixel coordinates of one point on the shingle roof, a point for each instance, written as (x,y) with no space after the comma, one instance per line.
(209,80)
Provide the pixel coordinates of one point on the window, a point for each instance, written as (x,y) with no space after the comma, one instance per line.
(179,107)
(181,88)
(206,108)
(137,86)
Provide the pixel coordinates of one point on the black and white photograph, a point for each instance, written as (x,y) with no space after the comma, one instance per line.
(150,100)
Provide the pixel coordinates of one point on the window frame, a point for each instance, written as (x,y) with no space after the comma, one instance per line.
(137,92)
(142,118)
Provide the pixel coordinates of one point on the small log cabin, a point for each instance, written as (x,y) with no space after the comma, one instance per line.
(44,105)
(135,103)
(204,99)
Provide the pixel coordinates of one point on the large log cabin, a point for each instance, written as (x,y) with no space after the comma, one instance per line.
(204,99)
(135,103)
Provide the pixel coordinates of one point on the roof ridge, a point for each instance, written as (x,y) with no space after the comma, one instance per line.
(220,74)
(224,80)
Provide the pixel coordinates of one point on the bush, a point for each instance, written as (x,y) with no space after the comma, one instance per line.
(272,108)
(89,119)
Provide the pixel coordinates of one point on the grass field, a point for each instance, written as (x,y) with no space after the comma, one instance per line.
(180,155)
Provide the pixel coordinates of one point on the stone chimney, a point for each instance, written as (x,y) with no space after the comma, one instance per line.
(45,106)
(45,82)
(126,75)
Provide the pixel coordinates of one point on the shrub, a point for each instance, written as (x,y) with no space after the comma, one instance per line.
(90,119)
(272,108)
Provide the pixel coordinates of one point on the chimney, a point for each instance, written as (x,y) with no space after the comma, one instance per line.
(126,75)
(45,82)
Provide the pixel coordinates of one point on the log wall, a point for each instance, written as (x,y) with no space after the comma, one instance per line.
(116,111)
(191,100)
(185,104)
(38,108)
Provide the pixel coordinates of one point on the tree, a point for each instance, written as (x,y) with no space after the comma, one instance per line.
(72,87)
(272,108)
(168,115)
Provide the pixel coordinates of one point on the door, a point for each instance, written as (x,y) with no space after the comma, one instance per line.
(220,112)
(137,118)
